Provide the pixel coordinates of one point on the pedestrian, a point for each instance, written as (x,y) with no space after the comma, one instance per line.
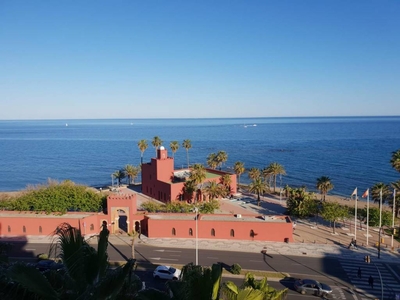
(371,281)
(359,272)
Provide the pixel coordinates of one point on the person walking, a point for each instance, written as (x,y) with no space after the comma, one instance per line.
(371,281)
(359,272)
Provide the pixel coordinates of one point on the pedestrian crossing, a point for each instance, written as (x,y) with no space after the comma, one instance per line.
(359,274)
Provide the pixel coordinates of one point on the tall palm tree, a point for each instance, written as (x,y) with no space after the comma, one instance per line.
(174,145)
(239,169)
(213,190)
(275,169)
(254,173)
(156,142)
(396,185)
(324,185)
(258,187)
(119,175)
(226,181)
(221,158)
(395,161)
(131,172)
(187,144)
(189,187)
(142,144)
(376,191)
(212,161)
(198,175)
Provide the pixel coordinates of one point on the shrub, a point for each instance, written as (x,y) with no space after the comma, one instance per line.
(235,269)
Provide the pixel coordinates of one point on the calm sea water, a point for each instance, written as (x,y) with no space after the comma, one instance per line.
(353,152)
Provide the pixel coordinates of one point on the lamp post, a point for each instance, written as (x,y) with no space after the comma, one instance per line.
(196,210)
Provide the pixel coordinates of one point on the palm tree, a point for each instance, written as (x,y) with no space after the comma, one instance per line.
(395,161)
(230,291)
(174,145)
(142,144)
(213,190)
(86,272)
(239,169)
(226,182)
(187,144)
(119,175)
(212,161)
(258,187)
(275,169)
(376,192)
(221,158)
(156,142)
(198,175)
(254,173)
(396,185)
(262,285)
(324,185)
(189,187)
(132,172)
(197,283)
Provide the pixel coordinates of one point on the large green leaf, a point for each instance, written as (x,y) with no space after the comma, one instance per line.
(32,280)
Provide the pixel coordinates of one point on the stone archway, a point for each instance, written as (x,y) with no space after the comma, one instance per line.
(122,220)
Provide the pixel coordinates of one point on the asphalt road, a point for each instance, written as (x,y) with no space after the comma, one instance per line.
(326,270)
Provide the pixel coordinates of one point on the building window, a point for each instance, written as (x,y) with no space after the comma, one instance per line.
(173,231)
(24,229)
(212,232)
(252,233)
(40,229)
(232,233)
(190,231)
(9,228)
(91,227)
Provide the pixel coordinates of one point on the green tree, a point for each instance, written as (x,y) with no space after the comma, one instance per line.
(226,182)
(376,192)
(333,211)
(262,285)
(197,283)
(396,185)
(324,185)
(198,175)
(374,217)
(275,169)
(230,291)
(300,203)
(239,170)
(221,158)
(86,273)
(213,190)
(258,187)
(119,175)
(254,173)
(131,172)
(187,144)
(212,161)
(174,145)
(395,160)
(156,142)
(142,144)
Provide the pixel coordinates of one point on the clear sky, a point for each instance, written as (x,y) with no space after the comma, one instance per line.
(171,59)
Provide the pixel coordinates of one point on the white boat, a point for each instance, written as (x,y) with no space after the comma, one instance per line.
(66,124)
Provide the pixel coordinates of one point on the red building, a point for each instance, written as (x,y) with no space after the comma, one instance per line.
(122,216)
(161,181)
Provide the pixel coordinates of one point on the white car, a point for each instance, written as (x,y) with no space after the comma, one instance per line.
(166,272)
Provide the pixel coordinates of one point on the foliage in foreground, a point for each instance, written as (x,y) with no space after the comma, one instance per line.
(56,197)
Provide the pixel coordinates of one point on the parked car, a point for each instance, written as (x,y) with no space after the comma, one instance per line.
(166,272)
(48,264)
(312,287)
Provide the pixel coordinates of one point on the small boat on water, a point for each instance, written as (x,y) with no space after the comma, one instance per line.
(66,124)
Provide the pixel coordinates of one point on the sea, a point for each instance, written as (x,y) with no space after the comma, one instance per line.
(351,151)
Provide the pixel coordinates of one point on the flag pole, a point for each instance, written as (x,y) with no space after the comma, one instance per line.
(394,204)
(355,218)
(367,216)
(380,224)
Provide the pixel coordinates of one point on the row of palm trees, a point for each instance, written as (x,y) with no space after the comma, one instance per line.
(157,143)
(129,171)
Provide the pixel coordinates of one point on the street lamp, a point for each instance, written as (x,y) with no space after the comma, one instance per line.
(196,210)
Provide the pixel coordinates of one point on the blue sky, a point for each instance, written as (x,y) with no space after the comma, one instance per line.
(172,59)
